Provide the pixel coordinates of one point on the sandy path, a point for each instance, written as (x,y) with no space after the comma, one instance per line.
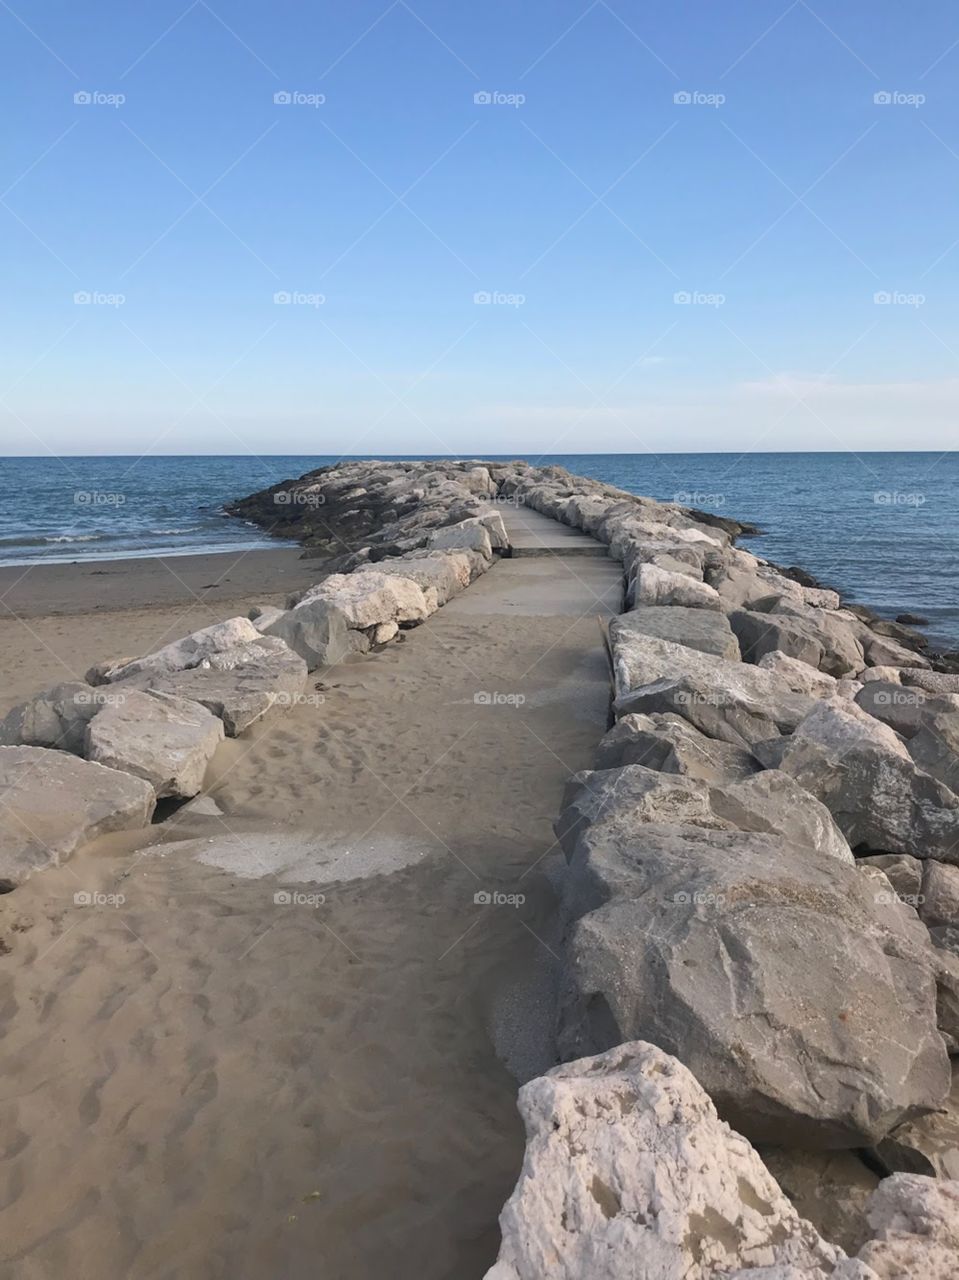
(201,1082)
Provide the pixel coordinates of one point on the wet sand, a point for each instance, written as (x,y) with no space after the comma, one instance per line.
(203,1081)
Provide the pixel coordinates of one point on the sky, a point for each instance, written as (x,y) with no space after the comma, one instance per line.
(391,227)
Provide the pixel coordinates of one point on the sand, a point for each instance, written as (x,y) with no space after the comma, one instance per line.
(276,1045)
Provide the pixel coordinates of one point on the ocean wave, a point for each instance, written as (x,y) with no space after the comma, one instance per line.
(45,539)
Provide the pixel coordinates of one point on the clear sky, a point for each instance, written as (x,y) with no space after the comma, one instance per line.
(584,166)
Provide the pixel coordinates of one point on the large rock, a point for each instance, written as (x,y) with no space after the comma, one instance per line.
(903,709)
(915,1227)
(798,675)
(935,748)
(438,576)
(882,651)
(166,740)
(316,630)
(655,586)
(928,1145)
(181,654)
(369,598)
(815,637)
(468,535)
(902,872)
(671,744)
(773,801)
(630,1175)
(240,685)
(932,681)
(702,629)
(689,938)
(57,718)
(51,803)
(860,769)
(939,904)
(733,701)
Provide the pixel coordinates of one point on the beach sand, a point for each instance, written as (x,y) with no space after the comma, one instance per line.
(203,1082)
(57,620)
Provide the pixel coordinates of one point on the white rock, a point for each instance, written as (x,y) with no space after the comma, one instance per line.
(183,654)
(630,1175)
(799,675)
(368,598)
(167,741)
(660,586)
(468,535)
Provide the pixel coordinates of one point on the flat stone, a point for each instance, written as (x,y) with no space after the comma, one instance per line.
(181,654)
(702,629)
(51,803)
(671,744)
(655,586)
(167,741)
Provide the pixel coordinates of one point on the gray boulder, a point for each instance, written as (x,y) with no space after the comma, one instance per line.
(656,586)
(51,803)
(882,651)
(774,802)
(468,535)
(181,654)
(239,685)
(860,769)
(932,681)
(927,1145)
(815,637)
(902,872)
(703,629)
(939,904)
(799,676)
(902,708)
(629,1173)
(316,630)
(670,744)
(935,748)
(732,701)
(264,615)
(689,938)
(166,740)
(57,718)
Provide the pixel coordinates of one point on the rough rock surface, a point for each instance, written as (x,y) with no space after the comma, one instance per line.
(57,718)
(915,1227)
(935,749)
(689,938)
(862,772)
(469,535)
(822,641)
(239,685)
(798,675)
(629,1173)
(317,631)
(903,709)
(51,803)
(903,873)
(773,801)
(671,744)
(369,598)
(928,1145)
(166,740)
(702,629)
(939,904)
(438,576)
(181,654)
(829,1188)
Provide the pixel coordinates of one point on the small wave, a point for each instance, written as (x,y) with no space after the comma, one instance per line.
(77,537)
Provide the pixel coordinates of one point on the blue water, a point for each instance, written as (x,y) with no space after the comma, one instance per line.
(883,528)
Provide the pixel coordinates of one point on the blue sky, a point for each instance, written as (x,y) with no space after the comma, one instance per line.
(582,199)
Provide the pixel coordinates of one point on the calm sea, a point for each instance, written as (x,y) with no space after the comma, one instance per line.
(883,528)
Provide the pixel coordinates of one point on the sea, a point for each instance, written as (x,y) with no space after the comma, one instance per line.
(882,528)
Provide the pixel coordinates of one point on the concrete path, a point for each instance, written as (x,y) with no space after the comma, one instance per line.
(272,1072)
(533,534)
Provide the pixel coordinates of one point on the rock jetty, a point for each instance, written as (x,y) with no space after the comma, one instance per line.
(760,964)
